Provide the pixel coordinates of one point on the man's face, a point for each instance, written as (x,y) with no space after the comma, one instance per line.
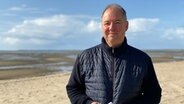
(114,27)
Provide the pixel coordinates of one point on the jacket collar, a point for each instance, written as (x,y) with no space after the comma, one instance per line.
(116,51)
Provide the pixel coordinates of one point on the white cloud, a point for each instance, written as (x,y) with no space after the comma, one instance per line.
(21,12)
(147,34)
(18,8)
(174,33)
(142,24)
(15,9)
(53,29)
(22,7)
(10,40)
(81,31)
(65,29)
(93,26)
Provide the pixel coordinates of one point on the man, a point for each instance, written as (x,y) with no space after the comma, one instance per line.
(113,71)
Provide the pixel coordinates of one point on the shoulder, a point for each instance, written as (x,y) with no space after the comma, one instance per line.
(139,58)
(138,53)
(87,53)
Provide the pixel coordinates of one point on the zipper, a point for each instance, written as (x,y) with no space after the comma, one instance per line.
(113,70)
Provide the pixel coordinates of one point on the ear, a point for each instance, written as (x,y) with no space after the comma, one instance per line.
(127,24)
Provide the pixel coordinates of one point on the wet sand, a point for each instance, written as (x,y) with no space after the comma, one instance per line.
(22,73)
(50,89)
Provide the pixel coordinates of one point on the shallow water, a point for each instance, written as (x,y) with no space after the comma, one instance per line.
(64,60)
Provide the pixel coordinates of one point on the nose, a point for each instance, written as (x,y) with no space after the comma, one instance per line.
(112,26)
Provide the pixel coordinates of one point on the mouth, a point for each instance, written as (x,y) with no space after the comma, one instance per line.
(113,35)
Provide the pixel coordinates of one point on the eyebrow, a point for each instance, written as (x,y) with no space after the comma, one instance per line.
(114,20)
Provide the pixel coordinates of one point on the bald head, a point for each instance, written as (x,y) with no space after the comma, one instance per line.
(117,7)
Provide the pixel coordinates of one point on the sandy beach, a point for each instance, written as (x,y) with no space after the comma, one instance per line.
(50,89)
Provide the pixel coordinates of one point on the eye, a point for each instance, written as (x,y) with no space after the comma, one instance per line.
(118,22)
(106,23)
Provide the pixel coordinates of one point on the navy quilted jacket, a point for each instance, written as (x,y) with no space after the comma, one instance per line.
(123,75)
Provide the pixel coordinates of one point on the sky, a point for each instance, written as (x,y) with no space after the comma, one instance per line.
(76,24)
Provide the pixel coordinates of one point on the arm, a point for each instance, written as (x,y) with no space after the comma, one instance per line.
(151,91)
(76,87)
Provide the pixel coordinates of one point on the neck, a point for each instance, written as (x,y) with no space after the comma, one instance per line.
(114,45)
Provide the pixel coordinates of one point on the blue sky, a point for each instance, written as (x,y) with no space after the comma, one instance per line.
(59,24)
